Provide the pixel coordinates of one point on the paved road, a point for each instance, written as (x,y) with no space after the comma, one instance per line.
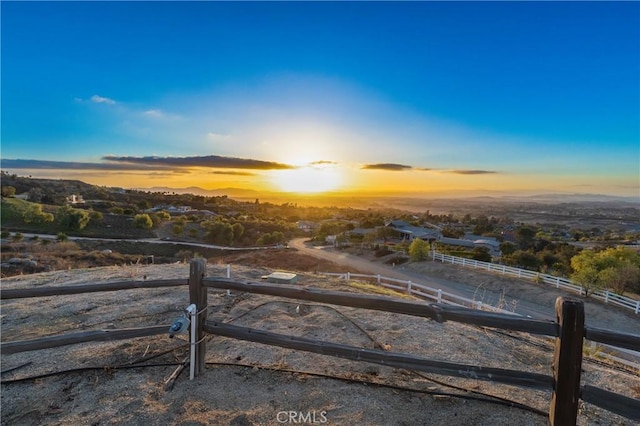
(353,263)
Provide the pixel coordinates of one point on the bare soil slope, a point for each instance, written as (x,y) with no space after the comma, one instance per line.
(124,382)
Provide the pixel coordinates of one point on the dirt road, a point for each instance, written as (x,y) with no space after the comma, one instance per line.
(352,262)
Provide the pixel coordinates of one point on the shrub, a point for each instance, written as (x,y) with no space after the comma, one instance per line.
(142,221)
(419,250)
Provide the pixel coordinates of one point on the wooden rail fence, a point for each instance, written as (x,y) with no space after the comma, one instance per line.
(440,296)
(569,332)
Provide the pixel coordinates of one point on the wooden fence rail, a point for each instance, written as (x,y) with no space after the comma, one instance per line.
(609,338)
(389,359)
(569,332)
(21,293)
(8,348)
(437,312)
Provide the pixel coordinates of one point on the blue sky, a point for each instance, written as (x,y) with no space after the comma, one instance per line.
(428,96)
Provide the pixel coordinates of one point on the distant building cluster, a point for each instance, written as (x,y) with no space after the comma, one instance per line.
(410,232)
(181,210)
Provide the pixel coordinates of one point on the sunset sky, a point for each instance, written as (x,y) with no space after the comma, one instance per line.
(412,97)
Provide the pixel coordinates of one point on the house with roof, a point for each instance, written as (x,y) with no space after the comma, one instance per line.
(409,232)
(474,241)
(306,225)
(74,199)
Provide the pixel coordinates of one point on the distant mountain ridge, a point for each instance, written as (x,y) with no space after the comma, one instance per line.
(24,184)
(546,198)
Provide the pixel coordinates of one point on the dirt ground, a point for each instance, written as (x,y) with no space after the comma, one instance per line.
(126,382)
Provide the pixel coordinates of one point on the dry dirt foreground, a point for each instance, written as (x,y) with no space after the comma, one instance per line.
(251,384)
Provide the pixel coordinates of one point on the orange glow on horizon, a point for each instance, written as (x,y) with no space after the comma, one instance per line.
(310,179)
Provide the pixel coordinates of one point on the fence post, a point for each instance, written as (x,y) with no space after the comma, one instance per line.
(348,276)
(198,296)
(228,270)
(378,278)
(439,295)
(567,362)
(606,296)
(408,287)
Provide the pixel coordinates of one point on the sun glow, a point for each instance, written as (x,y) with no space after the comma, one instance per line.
(309,179)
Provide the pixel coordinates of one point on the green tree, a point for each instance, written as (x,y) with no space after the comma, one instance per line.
(8,191)
(614,268)
(95,216)
(177,229)
(278,237)
(220,233)
(71,218)
(481,254)
(507,248)
(385,232)
(525,259)
(142,221)
(163,215)
(526,237)
(33,214)
(238,231)
(419,250)
(36,194)
(155,219)
(265,240)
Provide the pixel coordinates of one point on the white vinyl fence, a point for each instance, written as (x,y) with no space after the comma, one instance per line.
(423,292)
(606,295)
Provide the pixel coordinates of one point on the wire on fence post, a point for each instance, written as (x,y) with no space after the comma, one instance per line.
(567,362)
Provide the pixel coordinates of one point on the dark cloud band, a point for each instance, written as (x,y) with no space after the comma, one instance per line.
(212,161)
(147,163)
(386,166)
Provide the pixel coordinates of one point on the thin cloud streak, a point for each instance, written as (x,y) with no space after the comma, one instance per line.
(232,173)
(472,172)
(386,166)
(322,163)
